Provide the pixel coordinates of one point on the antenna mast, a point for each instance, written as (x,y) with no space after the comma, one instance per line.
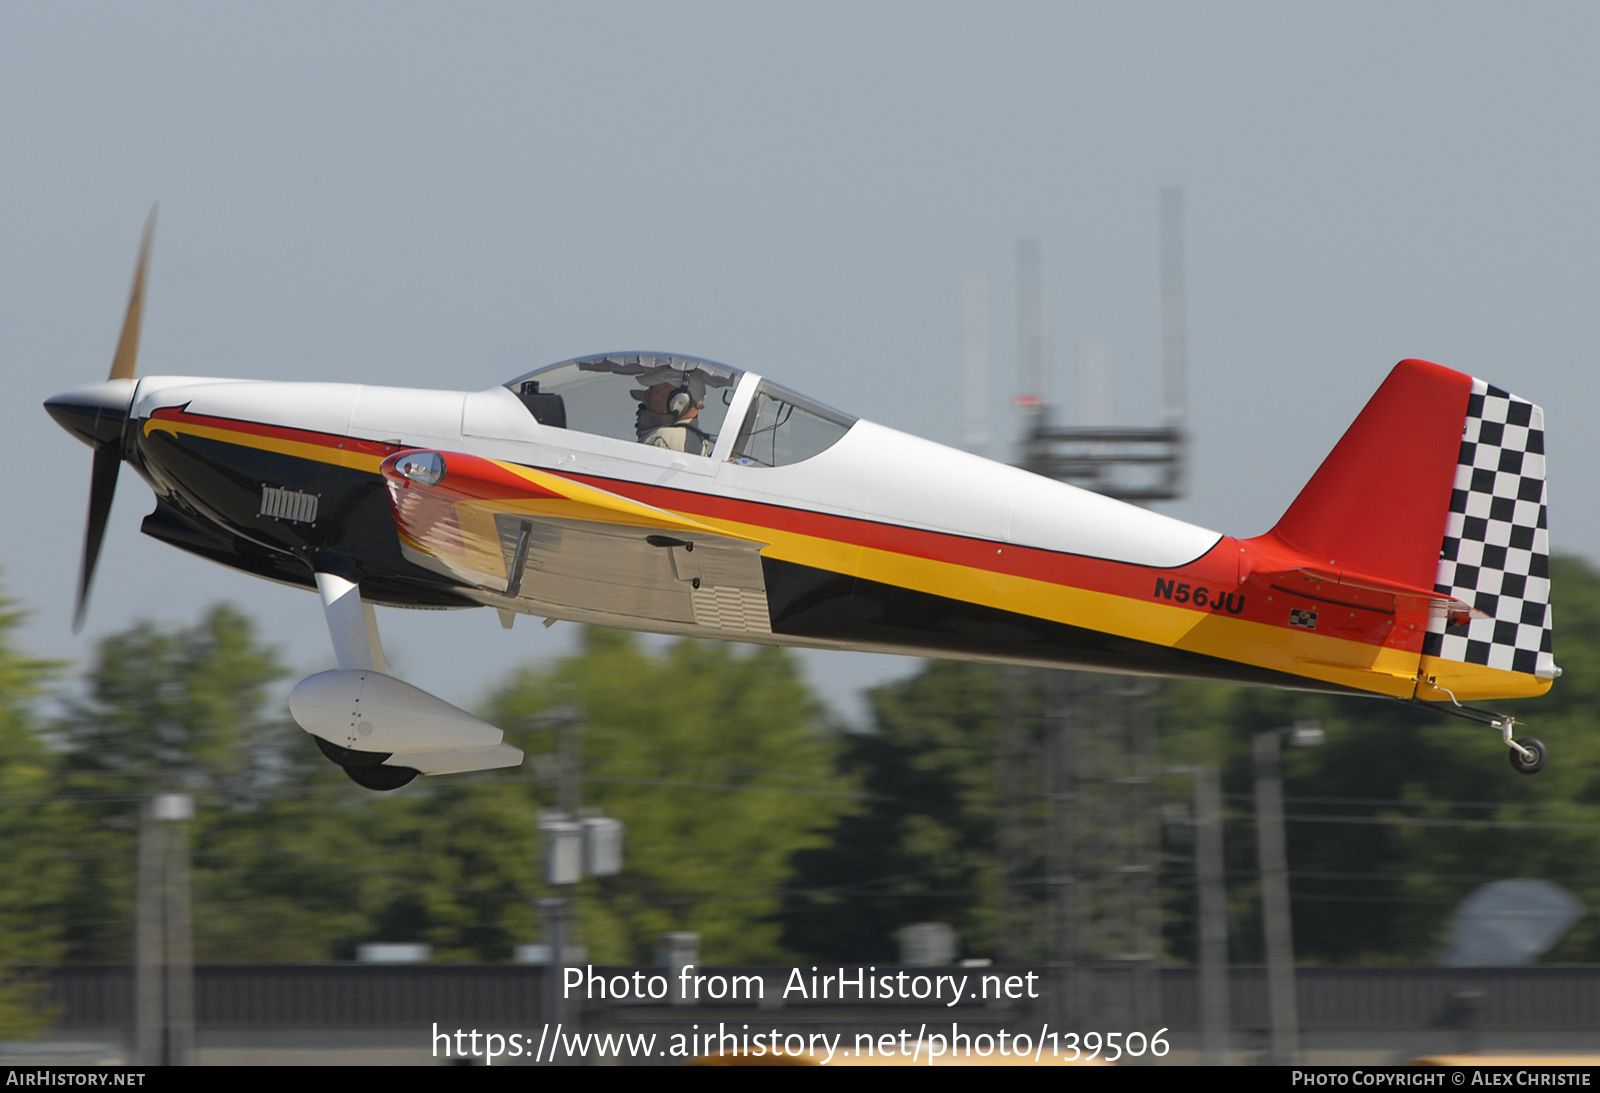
(975,360)
(1033,344)
(1078,769)
(1174,339)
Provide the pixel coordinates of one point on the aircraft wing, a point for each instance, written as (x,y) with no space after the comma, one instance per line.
(536,542)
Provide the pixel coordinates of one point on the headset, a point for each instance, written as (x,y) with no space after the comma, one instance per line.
(680,399)
(677,402)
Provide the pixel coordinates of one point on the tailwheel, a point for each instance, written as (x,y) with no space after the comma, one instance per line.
(1531,758)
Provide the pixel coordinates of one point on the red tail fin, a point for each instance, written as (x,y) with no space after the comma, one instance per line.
(1379,502)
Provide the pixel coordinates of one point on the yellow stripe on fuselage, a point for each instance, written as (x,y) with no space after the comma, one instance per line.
(300,449)
(1332,660)
(1377,669)
(1474,682)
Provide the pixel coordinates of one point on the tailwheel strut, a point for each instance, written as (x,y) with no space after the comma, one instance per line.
(1528,755)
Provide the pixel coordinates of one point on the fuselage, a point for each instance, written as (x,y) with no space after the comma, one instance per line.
(879,541)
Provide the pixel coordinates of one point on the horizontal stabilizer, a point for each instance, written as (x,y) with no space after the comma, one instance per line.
(1430,601)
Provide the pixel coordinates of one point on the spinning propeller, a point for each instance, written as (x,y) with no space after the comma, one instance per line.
(96,415)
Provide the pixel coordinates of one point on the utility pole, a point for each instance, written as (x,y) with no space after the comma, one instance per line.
(1272,856)
(163,935)
(562,838)
(1214,1017)
(573,845)
(1212,912)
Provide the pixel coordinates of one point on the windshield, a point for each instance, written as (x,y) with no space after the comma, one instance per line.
(783,428)
(660,399)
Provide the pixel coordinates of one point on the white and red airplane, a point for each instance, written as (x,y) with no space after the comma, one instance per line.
(661,492)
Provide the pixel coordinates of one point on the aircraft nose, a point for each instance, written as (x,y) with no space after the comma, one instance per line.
(94,413)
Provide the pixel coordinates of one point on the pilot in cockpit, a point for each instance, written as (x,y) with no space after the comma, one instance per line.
(668,406)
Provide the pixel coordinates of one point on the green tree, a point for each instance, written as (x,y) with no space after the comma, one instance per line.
(720,765)
(718,762)
(449,861)
(922,848)
(196,709)
(179,709)
(35,873)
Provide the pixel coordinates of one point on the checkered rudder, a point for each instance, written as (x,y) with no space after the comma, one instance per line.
(1496,550)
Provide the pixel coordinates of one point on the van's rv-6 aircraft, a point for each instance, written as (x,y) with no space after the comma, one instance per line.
(667,493)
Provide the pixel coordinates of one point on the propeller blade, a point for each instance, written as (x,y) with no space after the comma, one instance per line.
(102,488)
(107,452)
(123,365)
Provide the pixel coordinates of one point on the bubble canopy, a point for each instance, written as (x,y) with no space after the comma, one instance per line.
(612,394)
(681,403)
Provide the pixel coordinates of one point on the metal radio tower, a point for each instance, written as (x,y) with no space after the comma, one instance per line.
(1077,773)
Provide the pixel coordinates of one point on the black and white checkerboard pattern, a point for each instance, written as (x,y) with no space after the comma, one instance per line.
(1496,550)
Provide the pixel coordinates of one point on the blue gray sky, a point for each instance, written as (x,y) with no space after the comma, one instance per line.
(446,196)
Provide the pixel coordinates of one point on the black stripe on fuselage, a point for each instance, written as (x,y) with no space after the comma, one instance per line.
(221,485)
(815,603)
(217,515)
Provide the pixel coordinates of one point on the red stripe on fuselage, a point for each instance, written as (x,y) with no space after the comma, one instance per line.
(1217,571)
(1361,616)
(1219,565)
(282,432)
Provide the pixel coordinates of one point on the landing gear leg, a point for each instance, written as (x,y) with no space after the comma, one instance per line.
(1528,755)
(351,623)
(354,630)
